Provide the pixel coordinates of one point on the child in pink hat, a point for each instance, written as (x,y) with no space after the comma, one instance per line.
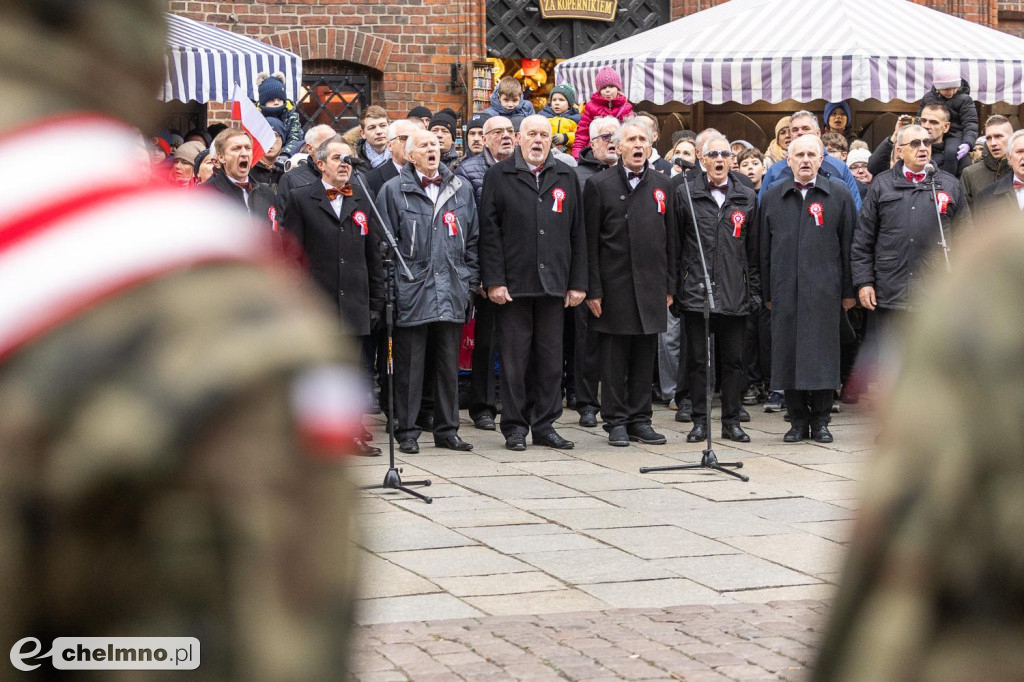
(607,101)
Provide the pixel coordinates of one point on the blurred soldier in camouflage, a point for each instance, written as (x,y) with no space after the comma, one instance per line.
(934,584)
(172,403)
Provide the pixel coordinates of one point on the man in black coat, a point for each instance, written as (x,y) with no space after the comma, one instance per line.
(598,157)
(725,213)
(333,223)
(305,172)
(805,234)
(233,148)
(398,134)
(533,264)
(1005,196)
(631,256)
(935,119)
(499,144)
(895,242)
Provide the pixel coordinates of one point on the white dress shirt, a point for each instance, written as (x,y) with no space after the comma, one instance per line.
(336,204)
(432,190)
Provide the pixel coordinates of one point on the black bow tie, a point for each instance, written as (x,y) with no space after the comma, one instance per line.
(801,185)
(631,175)
(712,187)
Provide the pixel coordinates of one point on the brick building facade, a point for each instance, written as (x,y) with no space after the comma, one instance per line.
(401,53)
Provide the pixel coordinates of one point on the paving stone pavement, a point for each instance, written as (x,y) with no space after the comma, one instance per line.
(550,564)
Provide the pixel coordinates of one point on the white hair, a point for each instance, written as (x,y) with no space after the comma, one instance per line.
(324,150)
(711,138)
(1013,138)
(633,122)
(803,113)
(915,127)
(318,133)
(601,122)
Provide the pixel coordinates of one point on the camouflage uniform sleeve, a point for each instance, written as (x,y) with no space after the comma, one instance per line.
(936,552)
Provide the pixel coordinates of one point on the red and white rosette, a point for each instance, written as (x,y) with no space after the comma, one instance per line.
(359,218)
(738,218)
(452,222)
(943,198)
(272,215)
(817,212)
(558,194)
(659,196)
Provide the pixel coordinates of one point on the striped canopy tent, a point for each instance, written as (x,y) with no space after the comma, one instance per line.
(204,63)
(774,50)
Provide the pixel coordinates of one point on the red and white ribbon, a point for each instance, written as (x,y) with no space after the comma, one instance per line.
(738,218)
(359,218)
(452,222)
(558,194)
(659,196)
(817,212)
(943,199)
(272,214)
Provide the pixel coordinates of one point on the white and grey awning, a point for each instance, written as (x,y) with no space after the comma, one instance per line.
(204,63)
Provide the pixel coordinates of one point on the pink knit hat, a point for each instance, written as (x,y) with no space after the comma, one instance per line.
(946,75)
(607,76)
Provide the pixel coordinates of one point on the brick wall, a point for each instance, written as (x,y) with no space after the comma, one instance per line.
(409,45)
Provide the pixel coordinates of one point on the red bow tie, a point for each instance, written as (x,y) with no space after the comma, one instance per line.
(802,185)
(345,191)
(915,177)
(427,182)
(247,186)
(1017,184)
(538,170)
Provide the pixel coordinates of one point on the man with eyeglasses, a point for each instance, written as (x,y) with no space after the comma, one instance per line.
(601,153)
(805,123)
(895,243)
(499,144)
(934,119)
(398,134)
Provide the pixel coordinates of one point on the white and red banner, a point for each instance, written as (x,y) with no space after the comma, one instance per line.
(253,122)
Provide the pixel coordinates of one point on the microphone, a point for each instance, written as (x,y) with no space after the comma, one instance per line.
(929,168)
(354,161)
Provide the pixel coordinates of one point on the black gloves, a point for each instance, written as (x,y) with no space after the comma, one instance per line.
(676,309)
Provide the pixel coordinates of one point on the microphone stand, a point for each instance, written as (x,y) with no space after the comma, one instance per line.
(708,459)
(930,179)
(389,251)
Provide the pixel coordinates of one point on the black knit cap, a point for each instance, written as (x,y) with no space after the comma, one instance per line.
(420,112)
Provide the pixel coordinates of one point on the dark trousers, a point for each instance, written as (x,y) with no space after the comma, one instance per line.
(482,381)
(569,351)
(757,347)
(588,361)
(809,408)
(530,338)
(728,347)
(411,347)
(683,371)
(627,364)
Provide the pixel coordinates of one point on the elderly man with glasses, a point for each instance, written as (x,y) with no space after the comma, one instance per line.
(398,134)
(895,245)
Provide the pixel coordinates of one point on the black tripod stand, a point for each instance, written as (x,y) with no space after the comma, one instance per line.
(389,251)
(708,460)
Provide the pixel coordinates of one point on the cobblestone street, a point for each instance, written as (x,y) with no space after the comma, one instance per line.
(549,564)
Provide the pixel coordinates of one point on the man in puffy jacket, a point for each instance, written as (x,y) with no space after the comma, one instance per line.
(433,216)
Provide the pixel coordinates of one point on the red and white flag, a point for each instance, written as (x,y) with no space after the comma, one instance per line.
(253,122)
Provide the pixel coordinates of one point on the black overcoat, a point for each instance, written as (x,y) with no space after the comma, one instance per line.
(261,199)
(526,244)
(729,237)
(805,274)
(895,245)
(631,250)
(345,263)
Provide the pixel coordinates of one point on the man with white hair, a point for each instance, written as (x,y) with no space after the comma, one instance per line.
(601,153)
(806,228)
(805,123)
(306,171)
(534,265)
(398,135)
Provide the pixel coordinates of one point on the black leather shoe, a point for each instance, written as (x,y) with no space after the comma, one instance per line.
(409,446)
(821,434)
(364,450)
(553,440)
(516,441)
(588,418)
(570,400)
(744,415)
(647,435)
(698,433)
(453,442)
(427,425)
(484,422)
(795,434)
(618,437)
(685,412)
(734,432)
